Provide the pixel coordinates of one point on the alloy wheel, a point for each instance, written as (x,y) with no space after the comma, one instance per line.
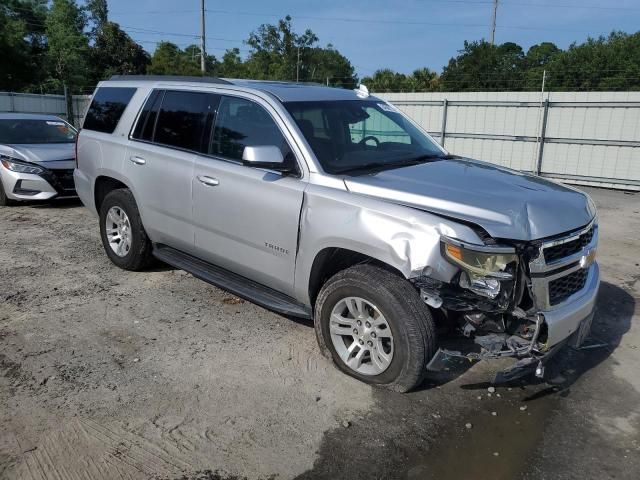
(118,230)
(361,336)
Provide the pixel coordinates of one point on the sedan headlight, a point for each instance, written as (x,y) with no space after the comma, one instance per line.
(19,166)
(483,267)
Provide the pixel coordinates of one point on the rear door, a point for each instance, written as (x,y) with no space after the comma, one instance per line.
(246,219)
(160,161)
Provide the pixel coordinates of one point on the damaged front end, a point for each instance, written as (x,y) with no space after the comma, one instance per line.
(490,301)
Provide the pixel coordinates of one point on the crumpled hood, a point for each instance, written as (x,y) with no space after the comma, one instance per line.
(506,203)
(40,153)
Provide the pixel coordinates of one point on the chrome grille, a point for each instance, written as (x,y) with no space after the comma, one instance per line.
(557,252)
(562,288)
(562,266)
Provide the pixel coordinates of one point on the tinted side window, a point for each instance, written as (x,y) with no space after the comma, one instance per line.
(182,119)
(147,119)
(106,108)
(242,123)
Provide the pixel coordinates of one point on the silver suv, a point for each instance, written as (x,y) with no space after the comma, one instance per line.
(331,204)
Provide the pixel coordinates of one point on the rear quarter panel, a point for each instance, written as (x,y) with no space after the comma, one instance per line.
(103,154)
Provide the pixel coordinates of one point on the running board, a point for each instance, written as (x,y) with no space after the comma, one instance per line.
(233,283)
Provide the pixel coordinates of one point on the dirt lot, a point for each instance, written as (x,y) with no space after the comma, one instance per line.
(112,374)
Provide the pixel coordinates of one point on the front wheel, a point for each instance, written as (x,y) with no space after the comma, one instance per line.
(374,326)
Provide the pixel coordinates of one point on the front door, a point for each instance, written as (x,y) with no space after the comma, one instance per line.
(245,218)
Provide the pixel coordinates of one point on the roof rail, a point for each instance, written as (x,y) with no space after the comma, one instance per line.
(168,78)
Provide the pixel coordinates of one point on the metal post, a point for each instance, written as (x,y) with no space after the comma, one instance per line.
(12,102)
(443,131)
(493,21)
(543,132)
(68,105)
(203,54)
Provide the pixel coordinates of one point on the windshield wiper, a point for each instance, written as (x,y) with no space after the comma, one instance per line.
(373,166)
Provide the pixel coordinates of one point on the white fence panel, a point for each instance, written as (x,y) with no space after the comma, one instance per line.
(45,104)
(579,137)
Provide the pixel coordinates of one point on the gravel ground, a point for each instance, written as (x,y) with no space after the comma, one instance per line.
(112,374)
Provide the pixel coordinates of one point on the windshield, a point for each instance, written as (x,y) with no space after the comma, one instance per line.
(36,131)
(350,135)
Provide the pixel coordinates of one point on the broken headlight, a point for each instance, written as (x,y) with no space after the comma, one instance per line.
(483,268)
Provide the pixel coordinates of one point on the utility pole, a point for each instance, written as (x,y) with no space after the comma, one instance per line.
(298,66)
(493,21)
(202,39)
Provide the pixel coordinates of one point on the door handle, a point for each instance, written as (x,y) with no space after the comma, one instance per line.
(137,160)
(208,181)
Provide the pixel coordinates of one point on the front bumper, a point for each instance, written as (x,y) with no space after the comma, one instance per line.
(564,320)
(569,322)
(45,186)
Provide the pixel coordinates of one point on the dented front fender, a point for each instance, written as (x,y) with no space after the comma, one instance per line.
(402,237)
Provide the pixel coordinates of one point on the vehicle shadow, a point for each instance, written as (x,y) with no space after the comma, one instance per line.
(56,204)
(614,311)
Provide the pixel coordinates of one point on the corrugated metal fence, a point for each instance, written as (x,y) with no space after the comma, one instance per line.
(588,138)
(47,104)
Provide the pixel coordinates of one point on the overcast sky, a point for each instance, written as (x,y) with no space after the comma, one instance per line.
(402,35)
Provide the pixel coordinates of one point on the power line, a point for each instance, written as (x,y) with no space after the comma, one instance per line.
(376,21)
(394,22)
(581,6)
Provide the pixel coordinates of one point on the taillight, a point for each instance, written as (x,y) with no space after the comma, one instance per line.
(76,148)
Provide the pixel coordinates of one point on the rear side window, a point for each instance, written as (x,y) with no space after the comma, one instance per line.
(182,118)
(106,108)
(147,119)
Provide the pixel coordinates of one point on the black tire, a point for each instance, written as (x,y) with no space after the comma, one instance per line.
(4,201)
(408,317)
(139,256)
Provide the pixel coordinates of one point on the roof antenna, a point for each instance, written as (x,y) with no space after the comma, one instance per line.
(362,91)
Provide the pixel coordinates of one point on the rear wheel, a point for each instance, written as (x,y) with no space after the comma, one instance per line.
(374,326)
(123,236)
(4,201)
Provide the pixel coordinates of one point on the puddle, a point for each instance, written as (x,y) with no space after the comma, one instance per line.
(512,434)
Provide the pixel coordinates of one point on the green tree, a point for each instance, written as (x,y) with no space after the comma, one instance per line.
(482,66)
(423,80)
(169,59)
(68,45)
(22,43)
(328,65)
(232,65)
(115,52)
(98,12)
(386,80)
(605,63)
(279,53)
(15,64)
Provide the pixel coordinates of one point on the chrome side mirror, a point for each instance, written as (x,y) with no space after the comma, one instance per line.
(263,156)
